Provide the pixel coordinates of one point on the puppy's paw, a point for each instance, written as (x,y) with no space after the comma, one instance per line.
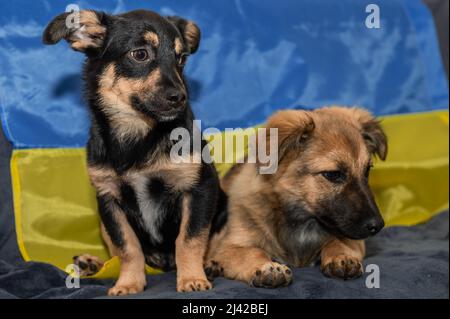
(126,289)
(88,265)
(192,284)
(271,275)
(213,269)
(343,267)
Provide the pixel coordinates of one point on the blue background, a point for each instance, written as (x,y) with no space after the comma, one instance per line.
(256,56)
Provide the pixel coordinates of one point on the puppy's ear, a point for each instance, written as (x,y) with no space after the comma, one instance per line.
(294,127)
(190,32)
(375,138)
(83,30)
(372,132)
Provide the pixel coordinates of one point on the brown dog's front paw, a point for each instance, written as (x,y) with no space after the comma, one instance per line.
(88,265)
(191,284)
(271,275)
(122,290)
(213,270)
(343,267)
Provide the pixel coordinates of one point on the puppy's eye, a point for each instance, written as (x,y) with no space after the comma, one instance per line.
(336,177)
(140,55)
(182,60)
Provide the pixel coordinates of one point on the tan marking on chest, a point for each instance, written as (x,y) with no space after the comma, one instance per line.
(178,176)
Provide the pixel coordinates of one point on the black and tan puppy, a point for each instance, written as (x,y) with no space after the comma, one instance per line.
(152,209)
(317,204)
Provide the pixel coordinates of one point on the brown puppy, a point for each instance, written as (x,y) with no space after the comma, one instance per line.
(317,204)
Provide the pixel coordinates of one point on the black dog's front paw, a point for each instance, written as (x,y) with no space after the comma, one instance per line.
(343,267)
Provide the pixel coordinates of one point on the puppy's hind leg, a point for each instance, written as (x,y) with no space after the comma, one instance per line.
(89,265)
(249,264)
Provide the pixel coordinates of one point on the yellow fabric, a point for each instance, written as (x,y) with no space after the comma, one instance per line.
(55,207)
(413,184)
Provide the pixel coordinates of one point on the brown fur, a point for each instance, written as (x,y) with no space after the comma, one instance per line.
(115,93)
(105,181)
(180,177)
(233,172)
(152,38)
(349,148)
(178,46)
(132,268)
(90,34)
(111,248)
(132,273)
(192,35)
(343,258)
(189,256)
(258,229)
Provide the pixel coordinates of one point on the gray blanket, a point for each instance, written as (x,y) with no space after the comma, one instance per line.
(413,263)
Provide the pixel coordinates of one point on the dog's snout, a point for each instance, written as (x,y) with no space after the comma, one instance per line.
(175,96)
(374,225)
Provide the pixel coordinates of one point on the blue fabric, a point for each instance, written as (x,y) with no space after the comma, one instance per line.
(256,56)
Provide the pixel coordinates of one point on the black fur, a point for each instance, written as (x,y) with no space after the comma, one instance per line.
(348,213)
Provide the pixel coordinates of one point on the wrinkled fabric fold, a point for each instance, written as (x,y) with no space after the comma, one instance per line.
(255,57)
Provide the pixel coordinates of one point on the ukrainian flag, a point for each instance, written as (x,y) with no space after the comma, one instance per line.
(251,62)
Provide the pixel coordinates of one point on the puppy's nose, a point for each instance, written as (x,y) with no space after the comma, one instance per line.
(374,225)
(175,97)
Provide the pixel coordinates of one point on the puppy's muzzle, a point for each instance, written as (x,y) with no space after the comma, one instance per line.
(175,98)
